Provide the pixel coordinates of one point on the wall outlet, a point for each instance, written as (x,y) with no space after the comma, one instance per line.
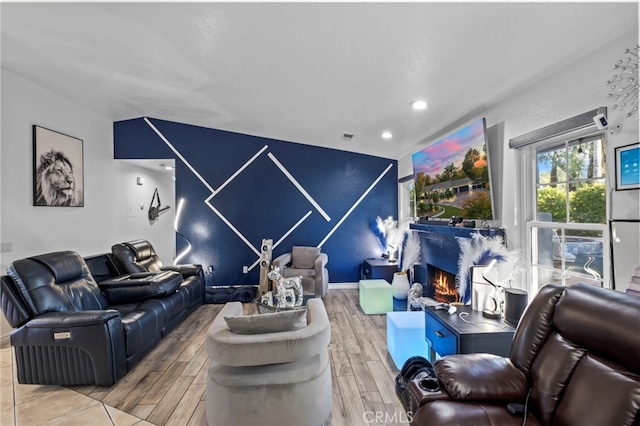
(6,247)
(245,269)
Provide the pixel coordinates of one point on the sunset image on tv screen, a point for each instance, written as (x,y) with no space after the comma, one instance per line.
(451,176)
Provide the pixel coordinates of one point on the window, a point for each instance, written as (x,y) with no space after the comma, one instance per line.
(407,204)
(567,232)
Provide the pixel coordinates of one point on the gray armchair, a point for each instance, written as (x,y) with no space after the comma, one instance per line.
(308,263)
(276,378)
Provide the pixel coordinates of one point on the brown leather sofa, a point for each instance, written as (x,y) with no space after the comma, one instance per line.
(575,360)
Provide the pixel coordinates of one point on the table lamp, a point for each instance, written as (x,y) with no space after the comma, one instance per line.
(492,308)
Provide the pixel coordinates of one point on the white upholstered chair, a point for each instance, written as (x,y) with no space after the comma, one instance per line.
(281,378)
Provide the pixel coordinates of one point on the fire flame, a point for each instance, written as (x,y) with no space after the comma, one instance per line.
(444,292)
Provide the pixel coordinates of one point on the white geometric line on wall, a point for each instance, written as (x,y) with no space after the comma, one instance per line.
(186,163)
(298,223)
(253,265)
(241,169)
(233,228)
(324,240)
(277,243)
(214,192)
(299,187)
(287,174)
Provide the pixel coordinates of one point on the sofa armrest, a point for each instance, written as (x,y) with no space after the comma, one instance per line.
(232,349)
(72,319)
(320,262)
(187,270)
(15,310)
(282,261)
(417,397)
(75,348)
(482,377)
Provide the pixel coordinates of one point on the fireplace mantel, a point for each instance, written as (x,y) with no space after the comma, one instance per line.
(456,231)
(439,246)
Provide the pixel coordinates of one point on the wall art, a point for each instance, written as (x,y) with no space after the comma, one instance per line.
(58,169)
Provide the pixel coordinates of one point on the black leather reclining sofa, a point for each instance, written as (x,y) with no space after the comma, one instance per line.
(88,322)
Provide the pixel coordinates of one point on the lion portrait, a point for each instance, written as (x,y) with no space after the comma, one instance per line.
(55,181)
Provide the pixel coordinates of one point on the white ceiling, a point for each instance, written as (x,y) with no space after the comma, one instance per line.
(302,72)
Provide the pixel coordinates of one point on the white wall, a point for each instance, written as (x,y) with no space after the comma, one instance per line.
(575,89)
(108,184)
(133,222)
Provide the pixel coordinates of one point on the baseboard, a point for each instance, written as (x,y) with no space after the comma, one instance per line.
(332,286)
(343,286)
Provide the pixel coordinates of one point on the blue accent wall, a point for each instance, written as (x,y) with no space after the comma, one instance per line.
(261,201)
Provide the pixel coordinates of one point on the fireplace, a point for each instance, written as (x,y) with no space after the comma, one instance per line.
(441,285)
(440,253)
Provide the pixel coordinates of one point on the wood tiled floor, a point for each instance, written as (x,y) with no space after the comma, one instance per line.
(168,386)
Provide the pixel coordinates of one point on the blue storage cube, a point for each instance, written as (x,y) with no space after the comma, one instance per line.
(405,336)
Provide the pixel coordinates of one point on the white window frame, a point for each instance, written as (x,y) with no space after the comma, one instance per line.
(528,165)
(404,202)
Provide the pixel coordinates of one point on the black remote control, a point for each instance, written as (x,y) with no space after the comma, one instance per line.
(515,409)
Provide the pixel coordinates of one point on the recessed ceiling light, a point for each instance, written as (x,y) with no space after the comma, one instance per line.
(387,135)
(419,105)
(168,167)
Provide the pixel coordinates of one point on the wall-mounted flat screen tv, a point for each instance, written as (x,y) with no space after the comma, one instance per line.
(452,178)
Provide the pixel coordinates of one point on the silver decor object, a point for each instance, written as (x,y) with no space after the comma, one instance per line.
(415,293)
(624,83)
(288,292)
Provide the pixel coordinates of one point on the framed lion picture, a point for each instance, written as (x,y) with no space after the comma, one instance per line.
(58,169)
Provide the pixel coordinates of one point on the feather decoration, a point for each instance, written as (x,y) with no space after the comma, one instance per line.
(377,227)
(480,250)
(392,234)
(411,251)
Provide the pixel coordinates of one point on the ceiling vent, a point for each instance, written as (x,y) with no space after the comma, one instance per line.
(347,137)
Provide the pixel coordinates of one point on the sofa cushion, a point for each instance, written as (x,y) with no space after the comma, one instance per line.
(455,413)
(268,323)
(490,378)
(295,272)
(304,257)
(56,282)
(550,372)
(599,393)
(102,266)
(65,266)
(141,327)
(170,306)
(141,248)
